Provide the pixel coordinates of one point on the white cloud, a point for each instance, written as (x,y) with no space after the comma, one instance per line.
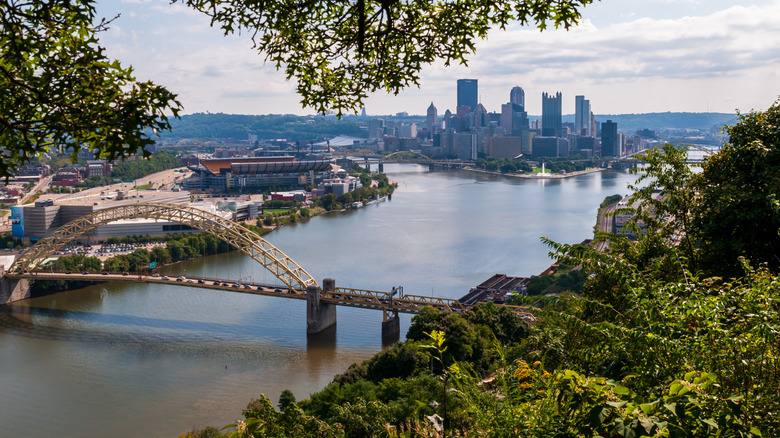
(724,56)
(712,49)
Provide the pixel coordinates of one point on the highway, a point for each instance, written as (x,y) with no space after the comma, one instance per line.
(605,224)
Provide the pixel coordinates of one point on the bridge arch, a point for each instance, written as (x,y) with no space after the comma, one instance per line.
(273,259)
(386,157)
(698,147)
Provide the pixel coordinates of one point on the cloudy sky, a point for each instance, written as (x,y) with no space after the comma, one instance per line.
(627,56)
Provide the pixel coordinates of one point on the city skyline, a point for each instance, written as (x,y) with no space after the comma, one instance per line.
(630,56)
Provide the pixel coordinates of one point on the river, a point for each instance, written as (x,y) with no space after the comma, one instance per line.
(129,360)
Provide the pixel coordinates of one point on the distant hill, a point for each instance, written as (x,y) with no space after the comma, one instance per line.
(273,126)
(668,120)
(292,127)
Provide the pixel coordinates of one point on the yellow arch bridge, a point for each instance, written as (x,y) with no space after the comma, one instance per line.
(298,284)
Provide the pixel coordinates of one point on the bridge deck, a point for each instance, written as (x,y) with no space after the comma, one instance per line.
(361,298)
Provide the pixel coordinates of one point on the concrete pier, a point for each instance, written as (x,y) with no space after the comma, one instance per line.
(319,315)
(13,290)
(391,329)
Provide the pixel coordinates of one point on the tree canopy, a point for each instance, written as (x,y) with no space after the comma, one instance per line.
(338,52)
(60,92)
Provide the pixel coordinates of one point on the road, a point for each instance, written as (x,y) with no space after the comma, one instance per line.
(165,178)
(42,185)
(605,223)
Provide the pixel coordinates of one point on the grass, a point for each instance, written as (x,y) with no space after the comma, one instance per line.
(277,211)
(143,187)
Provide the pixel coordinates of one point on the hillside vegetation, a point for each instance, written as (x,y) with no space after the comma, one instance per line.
(266,127)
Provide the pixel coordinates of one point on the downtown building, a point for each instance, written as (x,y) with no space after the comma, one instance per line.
(468,94)
(552,116)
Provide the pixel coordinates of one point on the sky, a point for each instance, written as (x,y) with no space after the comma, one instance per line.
(625,56)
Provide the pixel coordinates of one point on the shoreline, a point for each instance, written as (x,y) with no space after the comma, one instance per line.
(538,175)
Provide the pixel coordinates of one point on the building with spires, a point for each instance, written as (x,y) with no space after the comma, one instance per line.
(479,117)
(432,120)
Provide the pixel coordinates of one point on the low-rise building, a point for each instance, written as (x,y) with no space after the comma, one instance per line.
(337,186)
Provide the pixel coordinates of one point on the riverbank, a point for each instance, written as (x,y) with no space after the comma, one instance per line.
(539,175)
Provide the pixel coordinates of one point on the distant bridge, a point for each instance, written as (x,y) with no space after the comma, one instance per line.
(404,157)
(298,284)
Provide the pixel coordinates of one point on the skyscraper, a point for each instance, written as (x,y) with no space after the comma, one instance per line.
(610,146)
(552,115)
(468,94)
(582,117)
(432,121)
(517,96)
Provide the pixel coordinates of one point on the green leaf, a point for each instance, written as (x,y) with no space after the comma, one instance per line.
(647,408)
(621,390)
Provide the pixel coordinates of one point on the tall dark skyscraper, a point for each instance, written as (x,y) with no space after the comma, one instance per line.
(552,109)
(517,96)
(610,142)
(468,93)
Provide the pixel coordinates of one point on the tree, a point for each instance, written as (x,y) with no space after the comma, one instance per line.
(286,398)
(60,92)
(737,211)
(338,52)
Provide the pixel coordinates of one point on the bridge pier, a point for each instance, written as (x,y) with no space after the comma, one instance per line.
(319,315)
(381,167)
(13,290)
(391,328)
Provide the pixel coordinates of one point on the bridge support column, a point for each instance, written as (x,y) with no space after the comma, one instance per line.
(13,290)
(381,167)
(431,167)
(391,328)
(319,315)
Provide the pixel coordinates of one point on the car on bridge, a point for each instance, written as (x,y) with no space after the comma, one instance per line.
(166,278)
